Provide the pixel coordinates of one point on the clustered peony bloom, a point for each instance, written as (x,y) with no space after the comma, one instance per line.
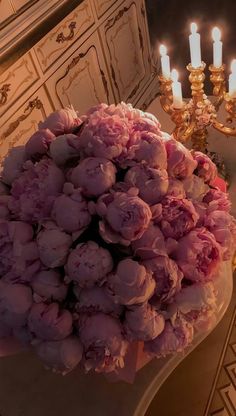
(111,237)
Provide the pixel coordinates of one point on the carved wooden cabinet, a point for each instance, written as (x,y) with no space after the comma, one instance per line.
(98,53)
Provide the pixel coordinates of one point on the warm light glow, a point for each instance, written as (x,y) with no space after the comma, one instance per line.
(216,34)
(193,28)
(233,66)
(163,50)
(174,75)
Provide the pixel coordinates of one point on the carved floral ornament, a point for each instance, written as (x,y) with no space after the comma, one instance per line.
(4,93)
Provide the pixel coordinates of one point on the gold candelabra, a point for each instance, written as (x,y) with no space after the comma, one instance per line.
(199,113)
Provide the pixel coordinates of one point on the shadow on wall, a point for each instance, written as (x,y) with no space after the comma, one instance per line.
(169,23)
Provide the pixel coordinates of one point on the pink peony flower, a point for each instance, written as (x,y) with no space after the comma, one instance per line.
(104,136)
(47,285)
(61,356)
(88,264)
(49,323)
(176,188)
(61,122)
(143,323)
(4,210)
(145,124)
(5,330)
(19,258)
(151,183)
(177,335)
(199,255)
(167,276)
(77,207)
(178,217)
(53,246)
(13,163)
(34,192)
(95,175)
(15,303)
(151,244)
(103,342)
(38,144)
(64,149)
(179,160)
(95,300)
(125,218)
(206,169)
(217,200)
(223,226)
(4,189)
(131,283)
(195,188)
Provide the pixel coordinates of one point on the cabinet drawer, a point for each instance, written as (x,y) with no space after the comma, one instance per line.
(102,6)
(127,50)
(6,10)
(83,80)
(16,80)
(18,129)
(58,40)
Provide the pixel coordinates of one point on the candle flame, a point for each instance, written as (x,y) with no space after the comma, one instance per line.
(193,28)
(174,75)
(216,34)
(163,50)
(233,66)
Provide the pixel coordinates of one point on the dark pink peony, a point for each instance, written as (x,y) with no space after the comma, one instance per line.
(48,285)
(96,299)
(179,160)
(151,183)
(125,217)
(64,149)
(38,144)
(223,226)
(95,175)
(151,244)
(178,217)
(49,322)
(206,169)
(13,164)
(130,283)
(199,255)
(217,200)
(15,304)
(176,188)
(103,342)
(53,246)
(143,323)
(61,122)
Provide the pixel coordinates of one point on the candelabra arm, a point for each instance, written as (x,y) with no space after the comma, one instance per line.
(217,78)
(183,131)
(166,98)
(228,131)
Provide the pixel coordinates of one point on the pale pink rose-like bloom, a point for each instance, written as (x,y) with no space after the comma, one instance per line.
(167,276)
(176,337)
(53,246)
(95,175)
(64,148)
(206,169)
(217,200)
(103,341)
(70,212)
(223,226)
(49,322)
(195,188)
(145,124)
(12,166)
(143,323)
(19,257)
(180,163)
(15,304)
(39,143)
(151,183)
(125,217)
(176,188)
(61,356)
(199,255)
(96,299)
(104,136)
(151,244)
(197,303)
(33,193)
(178,217)
(48,285)
(88,264)
(131,283)
(61,121)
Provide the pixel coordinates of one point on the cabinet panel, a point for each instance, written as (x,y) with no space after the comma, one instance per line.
(127,50)
(6,10)
(18,129)
(17,4)
(16,80)
(102,6)
(82,81)
(58,40)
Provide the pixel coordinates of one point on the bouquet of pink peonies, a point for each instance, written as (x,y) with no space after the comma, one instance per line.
(111,235)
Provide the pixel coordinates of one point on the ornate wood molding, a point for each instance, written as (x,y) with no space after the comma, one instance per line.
(61,38)
(4,93)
